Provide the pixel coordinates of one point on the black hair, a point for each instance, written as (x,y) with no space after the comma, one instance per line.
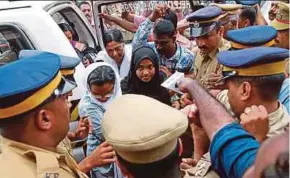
(250,14)
(101,75)
(113,34)
(268,86)
(165,168)
(172,17)
(82,3)
(65,27)
(164,27)
(220,1)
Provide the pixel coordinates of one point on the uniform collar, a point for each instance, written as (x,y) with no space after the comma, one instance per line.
(25,149)
(222,46)
(278,120)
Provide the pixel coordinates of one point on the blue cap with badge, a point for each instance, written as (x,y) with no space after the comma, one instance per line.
(204,20)
(251,62)
(251,37)
(68,64)
(27,84)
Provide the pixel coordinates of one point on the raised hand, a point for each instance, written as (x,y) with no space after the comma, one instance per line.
(255,120)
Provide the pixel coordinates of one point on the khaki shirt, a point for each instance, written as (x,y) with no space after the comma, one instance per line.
(66,145)
(22,160)
(278,120)
(204,65)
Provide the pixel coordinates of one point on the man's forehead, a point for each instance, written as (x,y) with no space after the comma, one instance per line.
(162,38)
(85,6)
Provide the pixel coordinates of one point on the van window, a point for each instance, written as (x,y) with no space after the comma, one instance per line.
(80,31)
(12,41)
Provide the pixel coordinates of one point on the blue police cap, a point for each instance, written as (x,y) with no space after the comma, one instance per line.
(252,36)
(248,2)
(256,61)
(203,20)
(68,64)
(26,84)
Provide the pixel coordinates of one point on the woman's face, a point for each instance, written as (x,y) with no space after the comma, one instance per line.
(116,51)
(68,34)
(145,70)
(102,92)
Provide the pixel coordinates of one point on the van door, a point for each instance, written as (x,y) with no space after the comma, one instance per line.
(40,30)
(68,13)
(12,40)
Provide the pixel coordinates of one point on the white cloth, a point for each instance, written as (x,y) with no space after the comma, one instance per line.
(117,86)
(125,66)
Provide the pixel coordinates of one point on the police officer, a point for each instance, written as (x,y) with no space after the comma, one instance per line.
(97,158)
(253,36)
(281,23)
(34,119)
(261,74)
(231,18)
(253,77)
(144,138)
(67,70)
(207,31)
(239,40)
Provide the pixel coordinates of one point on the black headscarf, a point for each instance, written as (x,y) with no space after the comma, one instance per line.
(133,85)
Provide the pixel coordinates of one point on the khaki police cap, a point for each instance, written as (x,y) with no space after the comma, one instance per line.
(281,22)
(228,8)
(141,129)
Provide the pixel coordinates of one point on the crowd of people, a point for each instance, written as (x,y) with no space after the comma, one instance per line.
(230,118)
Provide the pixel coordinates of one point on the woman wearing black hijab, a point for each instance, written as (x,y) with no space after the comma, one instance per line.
(144,77)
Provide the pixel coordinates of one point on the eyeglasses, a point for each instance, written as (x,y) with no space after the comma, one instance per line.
(108,95)
(103,96)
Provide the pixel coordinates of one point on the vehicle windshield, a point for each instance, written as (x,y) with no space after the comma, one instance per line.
(133,13)
(138,11)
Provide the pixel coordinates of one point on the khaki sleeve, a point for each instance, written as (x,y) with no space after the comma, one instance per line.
(222,97)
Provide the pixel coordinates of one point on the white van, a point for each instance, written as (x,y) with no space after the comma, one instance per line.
(34,25)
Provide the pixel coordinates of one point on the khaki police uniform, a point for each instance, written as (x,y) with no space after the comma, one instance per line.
(202,22)
(278,120)
(66,145)
(67,69)
(205,65)
(281,22)
(231,13)
(22,160)
(255,63)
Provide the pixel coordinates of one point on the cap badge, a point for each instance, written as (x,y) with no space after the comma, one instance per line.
(195,24)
